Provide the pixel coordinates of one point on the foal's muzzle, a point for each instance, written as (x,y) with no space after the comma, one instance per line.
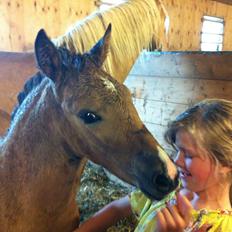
(152,175)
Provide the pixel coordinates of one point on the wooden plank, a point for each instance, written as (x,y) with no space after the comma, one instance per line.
(228,2)
(17,32)
(228,31)
(159,96)
(10,86)
(176,90)
(158,132)
(72,11)
(5,27)
(34,20)
(158,112)
(21,20)
(185,23)
(207,65)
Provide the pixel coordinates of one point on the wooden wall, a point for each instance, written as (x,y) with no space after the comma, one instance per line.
(20,20)
(165,84)
(185,23)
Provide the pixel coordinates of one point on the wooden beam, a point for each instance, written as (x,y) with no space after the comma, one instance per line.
(228,2)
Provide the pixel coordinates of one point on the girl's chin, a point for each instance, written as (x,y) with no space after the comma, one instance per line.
(188,186)
(187,193)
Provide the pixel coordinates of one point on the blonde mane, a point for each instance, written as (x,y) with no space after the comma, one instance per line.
(136,24)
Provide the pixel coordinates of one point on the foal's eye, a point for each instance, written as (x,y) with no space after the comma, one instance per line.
(88,116)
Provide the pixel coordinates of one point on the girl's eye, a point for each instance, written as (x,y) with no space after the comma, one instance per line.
(187,156)
(185,153)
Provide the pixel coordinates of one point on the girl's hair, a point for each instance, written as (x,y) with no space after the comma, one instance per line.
(210,123)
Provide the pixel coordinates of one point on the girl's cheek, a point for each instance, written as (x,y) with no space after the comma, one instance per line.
(188,164)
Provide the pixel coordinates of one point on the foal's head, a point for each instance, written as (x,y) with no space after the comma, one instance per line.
(99,114)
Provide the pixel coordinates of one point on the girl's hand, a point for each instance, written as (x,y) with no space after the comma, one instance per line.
(174,218)
(204,228)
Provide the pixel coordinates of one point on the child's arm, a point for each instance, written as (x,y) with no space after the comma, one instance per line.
(107,216)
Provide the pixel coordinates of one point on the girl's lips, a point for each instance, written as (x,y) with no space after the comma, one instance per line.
(184,174)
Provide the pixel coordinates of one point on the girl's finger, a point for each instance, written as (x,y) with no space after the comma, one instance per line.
(170,222)
(187,193)
(177,218)
(184,207)
(161,225)
(204,228)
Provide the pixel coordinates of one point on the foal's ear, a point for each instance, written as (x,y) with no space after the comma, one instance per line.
(47,56)
(101,48)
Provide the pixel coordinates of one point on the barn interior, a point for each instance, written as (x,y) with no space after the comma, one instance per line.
(192,62)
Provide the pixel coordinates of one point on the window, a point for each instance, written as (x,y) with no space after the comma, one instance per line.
(104,4)
(212,34)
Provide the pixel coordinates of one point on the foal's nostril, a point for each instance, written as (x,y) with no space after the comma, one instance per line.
(162,183)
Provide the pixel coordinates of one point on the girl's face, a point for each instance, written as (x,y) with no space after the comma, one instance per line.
(195,166)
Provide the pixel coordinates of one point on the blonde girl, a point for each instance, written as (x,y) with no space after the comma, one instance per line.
(202,138)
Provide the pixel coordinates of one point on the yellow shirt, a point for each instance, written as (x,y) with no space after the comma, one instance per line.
(145,210)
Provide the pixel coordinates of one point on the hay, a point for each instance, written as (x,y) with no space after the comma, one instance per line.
(96,191)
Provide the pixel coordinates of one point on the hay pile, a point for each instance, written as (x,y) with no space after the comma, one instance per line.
(96,191)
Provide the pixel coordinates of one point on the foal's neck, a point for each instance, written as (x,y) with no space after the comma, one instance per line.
(35,156)
(38,131)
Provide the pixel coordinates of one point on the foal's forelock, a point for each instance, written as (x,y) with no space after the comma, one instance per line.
(69,60)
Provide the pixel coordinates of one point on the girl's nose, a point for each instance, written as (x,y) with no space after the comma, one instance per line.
(179,160)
